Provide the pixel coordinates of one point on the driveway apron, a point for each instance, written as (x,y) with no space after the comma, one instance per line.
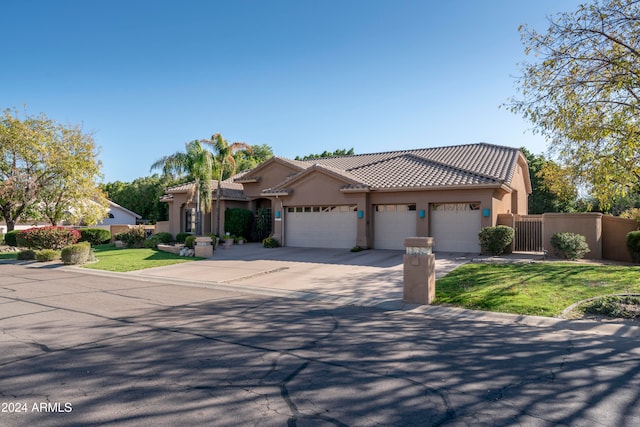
(369,278)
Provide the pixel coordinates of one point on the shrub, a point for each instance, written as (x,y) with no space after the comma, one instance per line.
(633,245)
(570,245)
(76,254)
(623,306)
(163,237)
(11,238)
(52,237)
(27,255)
(44,255)
(238,221)
(180,237)
(95,236)
(496,239)
(134,237)
(269,242)
(190,241)
(1,237)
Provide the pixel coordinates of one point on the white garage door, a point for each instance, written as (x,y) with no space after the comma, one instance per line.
(321,226)
(392,224)
(455,227)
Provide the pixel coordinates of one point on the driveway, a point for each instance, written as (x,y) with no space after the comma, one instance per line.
(81,349)
(366,278)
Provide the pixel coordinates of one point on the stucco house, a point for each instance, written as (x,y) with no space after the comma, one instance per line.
(117,214)
(375,200)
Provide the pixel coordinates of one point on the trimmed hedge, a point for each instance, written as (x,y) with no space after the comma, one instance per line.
(190,241)
(27,255)
(633,245)
(180,237)
(496,239)
(570,245)
(238,221)
(76,254)
(11,238)
(44,255)
(95,236)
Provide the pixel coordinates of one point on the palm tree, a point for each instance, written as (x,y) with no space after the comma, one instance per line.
(197,164)
(224,161)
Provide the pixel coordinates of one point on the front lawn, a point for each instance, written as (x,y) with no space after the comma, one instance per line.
(111,258)
(542,289)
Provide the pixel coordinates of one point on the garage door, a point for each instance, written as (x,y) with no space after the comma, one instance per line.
(321,226)
(455,227)
(392,224)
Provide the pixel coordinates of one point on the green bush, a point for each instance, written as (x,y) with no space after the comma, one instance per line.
(163,237)
(1,237)
(269,242)
(51,237)
(633,245)
(496,240)
(44,255)
(27,255)
(134,237)
(180,237)
(76,254)
(190,241)
(622,307)
(11,238)
(95,236)
(238,221)
(570,245)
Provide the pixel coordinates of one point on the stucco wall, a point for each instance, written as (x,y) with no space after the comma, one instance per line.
(614,235)
(587,224)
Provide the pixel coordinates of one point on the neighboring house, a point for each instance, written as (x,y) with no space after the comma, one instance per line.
(375,200)
(119,215)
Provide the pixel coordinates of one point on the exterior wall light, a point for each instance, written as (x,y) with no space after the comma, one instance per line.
(486,212)
(278,214)
(421,213)
(360,214)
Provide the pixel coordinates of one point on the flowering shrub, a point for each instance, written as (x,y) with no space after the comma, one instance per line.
(52,237)
(134,237)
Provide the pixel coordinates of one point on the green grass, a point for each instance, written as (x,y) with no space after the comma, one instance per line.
(542,289)
(111,258)
(8,255)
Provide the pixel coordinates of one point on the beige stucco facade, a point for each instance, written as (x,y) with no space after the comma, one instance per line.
(288,188)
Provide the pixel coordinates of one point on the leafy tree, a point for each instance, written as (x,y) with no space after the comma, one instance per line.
(325,153)
(542,199)
(224,162)
(141,196)
(47,170)
(582,91)
(249,159)
(197,162)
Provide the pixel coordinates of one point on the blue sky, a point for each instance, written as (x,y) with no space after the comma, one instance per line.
(300,76)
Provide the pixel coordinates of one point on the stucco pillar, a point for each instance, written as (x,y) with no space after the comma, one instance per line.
(419,271)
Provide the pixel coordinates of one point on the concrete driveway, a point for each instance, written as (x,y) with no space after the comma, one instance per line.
(366,278)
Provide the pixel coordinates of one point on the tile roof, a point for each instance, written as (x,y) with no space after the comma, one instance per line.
(471,164)
(451,166)
(230,190)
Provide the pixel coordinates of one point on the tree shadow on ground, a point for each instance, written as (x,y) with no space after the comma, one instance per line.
(250,360)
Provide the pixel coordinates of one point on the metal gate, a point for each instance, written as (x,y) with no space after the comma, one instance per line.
(528,234)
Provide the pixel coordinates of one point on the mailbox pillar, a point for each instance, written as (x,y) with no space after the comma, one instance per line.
(419,271)
(204,247)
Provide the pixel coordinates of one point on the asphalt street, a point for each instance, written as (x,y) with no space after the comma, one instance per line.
(80,349)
